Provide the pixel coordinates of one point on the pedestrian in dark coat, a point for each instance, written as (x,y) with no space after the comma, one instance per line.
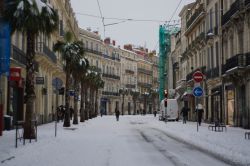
(184,112)
(117,114)
(200,111)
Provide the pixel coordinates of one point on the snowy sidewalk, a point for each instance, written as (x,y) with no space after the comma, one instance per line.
(230,146)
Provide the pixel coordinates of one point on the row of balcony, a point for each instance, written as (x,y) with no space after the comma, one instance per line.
(18,55)
(145,85)
(144,71)
(111,76)
(44,50)
(130,86)
(234,8)
(195,16)
(212,73)
(110,93)
(237,61)
(113,57)
(198,40)
(128,71)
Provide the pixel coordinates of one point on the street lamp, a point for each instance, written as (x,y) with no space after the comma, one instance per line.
(135,94)
(123,92)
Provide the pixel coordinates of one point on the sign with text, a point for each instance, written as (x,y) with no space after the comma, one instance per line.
(40,80)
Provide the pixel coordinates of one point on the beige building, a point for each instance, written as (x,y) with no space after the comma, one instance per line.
(235,26)
(49,69)
(214,39)
(128,79)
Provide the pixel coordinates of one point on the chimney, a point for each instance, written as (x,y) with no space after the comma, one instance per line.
(113,42)
(89,29)
(146,50)
(128,47)
(96,32)
(107,41)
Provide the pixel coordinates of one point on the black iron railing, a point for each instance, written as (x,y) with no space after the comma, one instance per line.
(49,53)
(197,13)
(129,71)
(130,86)
(233,9)
(235,61)
(93,51)
(145,85)
(111,76)
(18,55)
(141,70)
(110,93)
(212,73)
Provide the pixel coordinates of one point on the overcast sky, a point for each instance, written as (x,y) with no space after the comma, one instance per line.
(143,33)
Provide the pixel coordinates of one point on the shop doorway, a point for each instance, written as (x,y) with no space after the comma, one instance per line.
(230,107)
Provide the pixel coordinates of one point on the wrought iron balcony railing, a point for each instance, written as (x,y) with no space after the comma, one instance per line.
(212,73)
(93,51)
(18,55)
(233,62)
(144,71)
(111,76)
(233,9)
(129,71)
(43,49)
(130,86)
(110,93)
(145,85)
(194,17)
(247,2)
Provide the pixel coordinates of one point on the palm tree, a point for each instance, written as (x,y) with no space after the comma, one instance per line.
(83,76)
(99,83)
(78,69)
(72,52)
(30,17)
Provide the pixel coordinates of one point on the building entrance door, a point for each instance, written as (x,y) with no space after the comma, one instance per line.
(230,107)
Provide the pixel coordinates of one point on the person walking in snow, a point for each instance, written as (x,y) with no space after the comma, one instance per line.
(199,111)
(184,112)
(117,114)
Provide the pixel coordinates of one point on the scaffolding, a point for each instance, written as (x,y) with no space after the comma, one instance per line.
(165,32)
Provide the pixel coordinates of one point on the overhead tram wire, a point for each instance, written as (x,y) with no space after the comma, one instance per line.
(124,19)
(101,17)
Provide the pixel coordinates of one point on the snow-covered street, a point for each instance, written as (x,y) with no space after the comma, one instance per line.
(132,141)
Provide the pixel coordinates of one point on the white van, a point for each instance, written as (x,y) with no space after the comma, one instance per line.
(171,112)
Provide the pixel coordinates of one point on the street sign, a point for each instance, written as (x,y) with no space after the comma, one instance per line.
(40,80)
(198,76)
(198,91)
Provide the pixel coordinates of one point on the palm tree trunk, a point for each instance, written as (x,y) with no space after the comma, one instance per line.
(67,98)
(86,103)
(82,118)
(29,130)
(75,118)
(96,102)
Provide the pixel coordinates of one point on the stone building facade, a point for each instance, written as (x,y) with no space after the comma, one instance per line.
(215,40)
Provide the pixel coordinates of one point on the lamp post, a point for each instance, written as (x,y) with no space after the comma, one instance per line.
(135,94)
(123,92)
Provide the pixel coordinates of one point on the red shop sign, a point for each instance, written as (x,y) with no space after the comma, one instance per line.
(15,74)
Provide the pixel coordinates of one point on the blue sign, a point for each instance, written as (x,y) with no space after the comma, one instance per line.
(198,91)
(4,47)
